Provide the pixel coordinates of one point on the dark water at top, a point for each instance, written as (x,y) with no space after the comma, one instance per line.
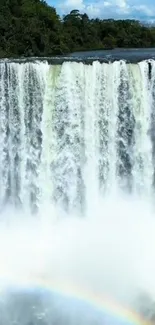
(133,55)
(129,55)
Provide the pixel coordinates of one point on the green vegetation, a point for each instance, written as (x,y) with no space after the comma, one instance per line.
(33,28)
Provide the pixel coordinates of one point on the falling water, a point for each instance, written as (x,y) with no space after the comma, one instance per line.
(72,133)
(76,140)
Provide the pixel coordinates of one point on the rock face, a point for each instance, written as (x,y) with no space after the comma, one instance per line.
(145,306)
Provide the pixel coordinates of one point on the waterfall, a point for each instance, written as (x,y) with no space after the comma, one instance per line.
(72,133)
(76,139)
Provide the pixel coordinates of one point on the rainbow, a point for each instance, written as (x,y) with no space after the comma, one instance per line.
(94,299)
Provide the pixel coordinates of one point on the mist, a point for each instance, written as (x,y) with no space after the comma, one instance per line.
(109,253)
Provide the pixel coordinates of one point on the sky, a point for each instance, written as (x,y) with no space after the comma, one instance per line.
(137,9)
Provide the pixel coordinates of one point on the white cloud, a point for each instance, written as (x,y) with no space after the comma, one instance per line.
(148,11)
(110,8)
(121,3)
(96,8)
(72,4)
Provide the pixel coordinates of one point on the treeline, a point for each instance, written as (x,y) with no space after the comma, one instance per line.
(33,28)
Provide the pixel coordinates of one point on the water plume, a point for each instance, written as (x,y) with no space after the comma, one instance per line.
(111,254)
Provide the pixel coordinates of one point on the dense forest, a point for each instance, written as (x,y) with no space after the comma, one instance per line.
(33,28)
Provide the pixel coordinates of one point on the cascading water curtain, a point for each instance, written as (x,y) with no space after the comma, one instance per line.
(72,133)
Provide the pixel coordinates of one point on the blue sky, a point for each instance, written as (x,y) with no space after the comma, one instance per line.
(138,9)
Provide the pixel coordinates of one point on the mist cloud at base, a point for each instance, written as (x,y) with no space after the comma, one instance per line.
(110,252)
